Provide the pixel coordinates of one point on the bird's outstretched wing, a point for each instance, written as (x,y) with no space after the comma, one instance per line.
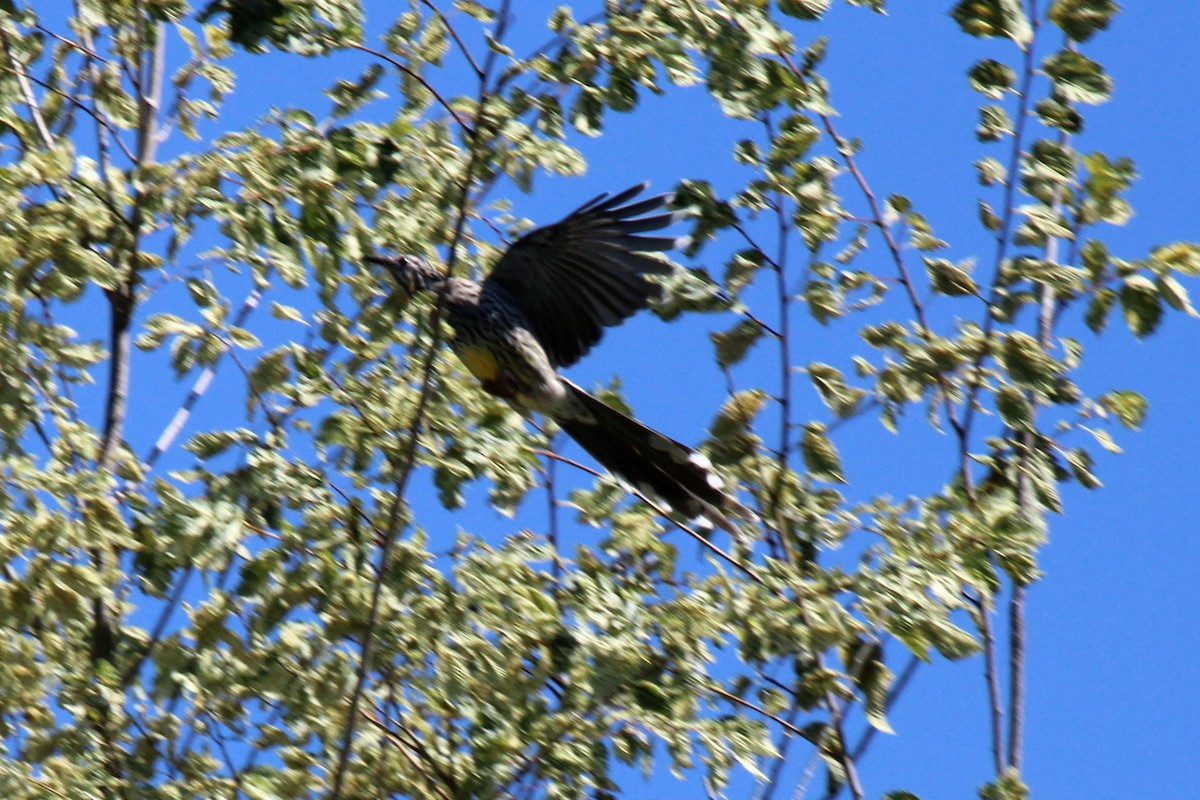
(577,276)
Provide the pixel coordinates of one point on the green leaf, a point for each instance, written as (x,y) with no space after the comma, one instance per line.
(280,311)
(732,436)
(242,338)
(1009,787)
(1015,410)
(823,302)
(475,10)
(733,344)
(950,279)
(1054,113)
(804,9)
(991,171)
(207,445)
(1181,257)
(819,454)
(1128,406)
(1065,280)
(991,78)
(1050,159)
(1105,180)
(1080,463)
(741,269)
(1096,315)
(840,397)
(1080,19)
(1077,79)
(1027,363)
(1173,292)
(874,680)
(1140,305)
(994,123)
(988,217)
(1103,438)
(349,96)
(1094,256)
(993,18)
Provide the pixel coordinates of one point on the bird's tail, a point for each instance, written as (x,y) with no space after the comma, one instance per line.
(653,463)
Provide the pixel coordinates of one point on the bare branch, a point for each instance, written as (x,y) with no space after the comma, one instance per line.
(789,727)
(18,69)
(416,76)
(407,460)
(991,675)
(1016,676)
(479,73)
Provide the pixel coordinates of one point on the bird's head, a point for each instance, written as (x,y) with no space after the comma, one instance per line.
(412,273)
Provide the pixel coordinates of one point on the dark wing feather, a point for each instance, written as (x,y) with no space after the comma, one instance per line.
(584,273)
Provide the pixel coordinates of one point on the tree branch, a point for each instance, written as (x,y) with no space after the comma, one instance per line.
(408,458)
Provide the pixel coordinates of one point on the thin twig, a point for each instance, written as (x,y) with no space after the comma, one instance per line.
(552,521)
(479,73)
(1016,675)
(991,676)
(407,459)
(1003,236)
(18,69)
(405,745)
(419,79)
(70,43)
(733,698)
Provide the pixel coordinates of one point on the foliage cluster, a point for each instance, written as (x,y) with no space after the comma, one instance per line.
(272,618)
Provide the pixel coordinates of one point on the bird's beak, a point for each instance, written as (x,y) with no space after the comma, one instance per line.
(401,273)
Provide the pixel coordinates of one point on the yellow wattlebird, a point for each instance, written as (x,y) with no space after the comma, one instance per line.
(543,306)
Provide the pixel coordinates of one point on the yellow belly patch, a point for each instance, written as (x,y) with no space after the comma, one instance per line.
(481,362)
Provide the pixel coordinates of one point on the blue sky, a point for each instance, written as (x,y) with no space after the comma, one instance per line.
(1113,709)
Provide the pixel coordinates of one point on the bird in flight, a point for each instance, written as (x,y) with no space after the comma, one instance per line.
(543,306)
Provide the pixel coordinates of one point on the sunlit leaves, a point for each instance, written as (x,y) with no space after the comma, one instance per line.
(873,679)
(1180,257)
(1055,113)
(841,398)
(349,96)
(1015,409)
(1081,19)
(994,123)
(302,27)
(1127,406)
(1140,305)
(990,171)
(1002,18)
(1050,160)
(950,279)
(733,436)
(820,456)
(1028,364)
(991,78)
(804,9)
(349,421)
(1008,787)
(732,345)
(1077,78)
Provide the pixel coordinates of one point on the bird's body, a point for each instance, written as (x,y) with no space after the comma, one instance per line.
(543,306)
(495,342)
